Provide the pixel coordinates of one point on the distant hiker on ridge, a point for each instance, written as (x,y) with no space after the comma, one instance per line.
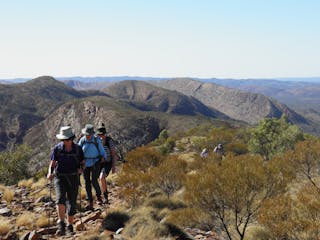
(204,153)
(67,162)
(219,149)
(108,165)
(94,155)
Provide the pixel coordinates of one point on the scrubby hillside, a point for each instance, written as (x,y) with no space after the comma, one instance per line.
(25,104)
(148,97)
(126,124)
(245,106)
(165,190)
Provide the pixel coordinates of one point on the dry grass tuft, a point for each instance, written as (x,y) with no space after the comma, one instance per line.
(164,202)
(26,183)
(188,157)
(257,233)
(94,236)
(25,220)
(144,227)
(43,192)
(4,226)
(2,187)
(43,221)
(41,183)
(190,217)
(8,195)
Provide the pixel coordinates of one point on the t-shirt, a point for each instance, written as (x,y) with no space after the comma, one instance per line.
(67,162)
(108,146)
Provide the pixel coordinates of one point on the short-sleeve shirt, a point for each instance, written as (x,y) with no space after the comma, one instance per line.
(67,162)
(108,146)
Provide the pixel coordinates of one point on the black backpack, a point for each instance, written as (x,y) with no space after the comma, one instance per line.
(76,156)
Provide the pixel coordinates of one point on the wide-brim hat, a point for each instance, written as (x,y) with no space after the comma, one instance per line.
(101,129)
(88,130)
(65,133)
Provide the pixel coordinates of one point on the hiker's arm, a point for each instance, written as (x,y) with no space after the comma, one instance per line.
(81,161)
(102,152)
(114,158)
(51,169)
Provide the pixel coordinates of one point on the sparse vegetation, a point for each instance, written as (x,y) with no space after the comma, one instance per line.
(26,183)
(26,220)
(8,195)
(13,164)
(4,226)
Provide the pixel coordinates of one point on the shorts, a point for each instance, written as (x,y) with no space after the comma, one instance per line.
(66,187)
(105,169)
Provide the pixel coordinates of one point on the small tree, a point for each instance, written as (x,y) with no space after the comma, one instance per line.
(143,158)
(306,157)
(274,136)
(170,175)
(14,164)
(234,191)
(292,219)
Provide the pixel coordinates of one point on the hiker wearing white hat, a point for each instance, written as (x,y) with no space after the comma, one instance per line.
(67,162)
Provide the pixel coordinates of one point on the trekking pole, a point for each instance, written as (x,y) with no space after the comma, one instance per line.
(49,205)
(80,210)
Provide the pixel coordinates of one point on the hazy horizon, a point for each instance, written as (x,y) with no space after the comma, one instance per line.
(198,39)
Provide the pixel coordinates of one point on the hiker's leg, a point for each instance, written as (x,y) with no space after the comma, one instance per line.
(72,194)
(86,174)
(61,209)
(95,176)
(60,189)
(103,181)
(107,169)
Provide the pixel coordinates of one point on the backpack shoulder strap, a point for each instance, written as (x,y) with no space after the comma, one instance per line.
(96,144)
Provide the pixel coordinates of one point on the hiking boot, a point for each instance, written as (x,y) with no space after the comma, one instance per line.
(70,229)
(61,229)
(89,206)
(99,200)
(106,200)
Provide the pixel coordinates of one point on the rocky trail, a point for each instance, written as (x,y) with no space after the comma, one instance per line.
(31,215)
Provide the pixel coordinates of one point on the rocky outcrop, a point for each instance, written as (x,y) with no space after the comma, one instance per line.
(23,105)
(126,125)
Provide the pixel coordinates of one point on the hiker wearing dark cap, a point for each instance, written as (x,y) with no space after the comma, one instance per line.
(109,164)
(67,162)
(94,155)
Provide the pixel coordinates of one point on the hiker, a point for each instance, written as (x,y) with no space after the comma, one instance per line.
(94,155)
(204,153)
(108,165)
(219,149)
(67,162)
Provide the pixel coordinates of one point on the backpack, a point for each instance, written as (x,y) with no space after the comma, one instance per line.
(95,142)
(76,155)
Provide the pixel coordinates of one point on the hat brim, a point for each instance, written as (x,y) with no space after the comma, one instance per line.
(86,133)
(64,137)
(100,132)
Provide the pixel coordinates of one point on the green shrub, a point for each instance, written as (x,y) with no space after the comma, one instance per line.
(14,164)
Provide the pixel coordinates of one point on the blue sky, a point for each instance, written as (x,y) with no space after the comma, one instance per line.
(190,38)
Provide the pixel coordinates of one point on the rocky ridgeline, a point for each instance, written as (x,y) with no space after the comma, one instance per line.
(31,215)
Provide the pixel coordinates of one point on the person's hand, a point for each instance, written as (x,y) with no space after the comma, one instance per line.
(80,171)
(50,176)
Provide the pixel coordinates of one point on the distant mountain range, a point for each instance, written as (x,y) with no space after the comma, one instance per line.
(135,111)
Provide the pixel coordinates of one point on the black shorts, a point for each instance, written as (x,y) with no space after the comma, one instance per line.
(66,187)
(106,168)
